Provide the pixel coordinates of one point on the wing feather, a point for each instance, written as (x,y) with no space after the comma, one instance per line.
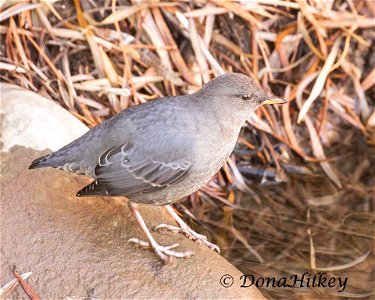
(124,170)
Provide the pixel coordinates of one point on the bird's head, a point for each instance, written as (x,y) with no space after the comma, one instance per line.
(238,93)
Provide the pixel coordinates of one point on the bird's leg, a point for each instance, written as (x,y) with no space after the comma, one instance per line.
(185,229)
(164,253)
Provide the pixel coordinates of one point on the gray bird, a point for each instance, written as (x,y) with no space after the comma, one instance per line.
(161,151)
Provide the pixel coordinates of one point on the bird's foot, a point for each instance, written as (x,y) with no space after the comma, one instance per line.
(163,252)
(191,234)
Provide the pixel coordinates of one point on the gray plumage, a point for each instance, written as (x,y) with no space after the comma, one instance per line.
(163,150)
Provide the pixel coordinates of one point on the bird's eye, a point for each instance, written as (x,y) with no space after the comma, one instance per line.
(245,97)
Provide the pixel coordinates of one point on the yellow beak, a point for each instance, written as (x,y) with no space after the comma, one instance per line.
(274,101)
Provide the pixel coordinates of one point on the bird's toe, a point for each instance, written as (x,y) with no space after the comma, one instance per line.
(164,253)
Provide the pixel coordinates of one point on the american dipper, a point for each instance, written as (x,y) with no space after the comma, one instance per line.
(164,150)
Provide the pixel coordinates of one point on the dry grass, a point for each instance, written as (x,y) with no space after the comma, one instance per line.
(298,194)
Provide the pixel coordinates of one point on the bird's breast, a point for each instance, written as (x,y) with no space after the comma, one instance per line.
(214,151)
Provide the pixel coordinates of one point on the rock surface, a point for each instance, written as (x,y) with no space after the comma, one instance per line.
(78,246)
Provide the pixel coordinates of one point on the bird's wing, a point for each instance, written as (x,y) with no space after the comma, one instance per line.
(127,170)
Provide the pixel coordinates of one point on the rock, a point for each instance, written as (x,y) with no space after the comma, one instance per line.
(78,246)
(35,122)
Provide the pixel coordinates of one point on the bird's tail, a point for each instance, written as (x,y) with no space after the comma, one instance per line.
(41,162)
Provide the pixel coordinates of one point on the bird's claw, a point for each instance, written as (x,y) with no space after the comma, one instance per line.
(191,234)
(163,252)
